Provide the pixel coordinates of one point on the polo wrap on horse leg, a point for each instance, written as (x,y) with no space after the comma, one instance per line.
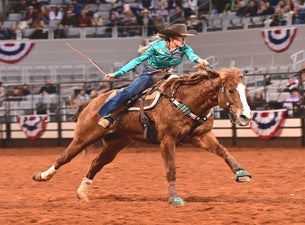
(173,197)
(241,174)
(83,189)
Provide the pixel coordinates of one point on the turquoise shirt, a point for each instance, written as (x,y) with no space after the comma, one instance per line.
(158,57)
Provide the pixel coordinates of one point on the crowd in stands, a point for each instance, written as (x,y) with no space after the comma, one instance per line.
(129,18)
(277,12)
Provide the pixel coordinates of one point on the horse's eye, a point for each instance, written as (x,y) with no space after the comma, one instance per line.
(231,91)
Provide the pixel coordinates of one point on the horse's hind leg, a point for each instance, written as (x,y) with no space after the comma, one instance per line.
(209,142)
(112,144)
(80,141)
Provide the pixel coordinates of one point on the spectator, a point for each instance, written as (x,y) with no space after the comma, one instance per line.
(257,102)
(24,90)
(20,7)
(252,8)
(194,24)
(298,14)
(162,12)
(147,4)
(291,101)
(104,87)
(60,32)
(177,16)
(96,20)
(83,20)
(4,32)
(265,9)
(14,94)
(159,23)
(30,15)
(93,94)
(48,88)
(55,13)
(302,76)
(189,7)
(129,20)
(172,4)
(234,5)
(278,18)
(81,98)
(2,93)
(292,82)
(14,32)
(41,32)
(145,20)
(69,20)
(114,23)
(78,6)
(221,6)
(42,14)
(159,3)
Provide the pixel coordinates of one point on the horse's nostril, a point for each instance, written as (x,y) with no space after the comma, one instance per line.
(243,117)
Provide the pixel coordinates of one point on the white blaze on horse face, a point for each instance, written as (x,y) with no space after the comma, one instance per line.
(242,93)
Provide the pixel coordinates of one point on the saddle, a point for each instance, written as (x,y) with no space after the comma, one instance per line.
(147,100)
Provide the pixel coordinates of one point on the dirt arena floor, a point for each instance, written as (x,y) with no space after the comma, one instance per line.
(132,190)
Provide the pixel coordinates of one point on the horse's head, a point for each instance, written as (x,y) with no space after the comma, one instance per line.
(232,97)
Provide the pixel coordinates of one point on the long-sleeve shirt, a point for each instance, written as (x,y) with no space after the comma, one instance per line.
(158,57)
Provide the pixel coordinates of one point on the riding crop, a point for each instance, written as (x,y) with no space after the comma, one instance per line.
(86,57)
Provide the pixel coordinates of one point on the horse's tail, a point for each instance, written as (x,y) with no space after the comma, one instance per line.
(79,110)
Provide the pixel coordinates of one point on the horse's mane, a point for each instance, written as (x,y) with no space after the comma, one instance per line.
(191,78)
(200,75)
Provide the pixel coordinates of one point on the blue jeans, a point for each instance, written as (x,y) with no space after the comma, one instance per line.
(123,96)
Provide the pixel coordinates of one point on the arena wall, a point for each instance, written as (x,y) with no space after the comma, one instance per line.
(241,48)
(291,134)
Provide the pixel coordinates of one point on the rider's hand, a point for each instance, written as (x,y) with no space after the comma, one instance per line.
(109,76)
(203,62)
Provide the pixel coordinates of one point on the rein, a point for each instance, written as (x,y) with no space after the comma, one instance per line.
(188,113)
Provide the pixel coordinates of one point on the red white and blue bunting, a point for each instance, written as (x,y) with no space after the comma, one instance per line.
(33,126)
(279,39)
(267,123)
(14,51)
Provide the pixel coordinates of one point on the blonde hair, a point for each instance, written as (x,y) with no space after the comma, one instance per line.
(143,48)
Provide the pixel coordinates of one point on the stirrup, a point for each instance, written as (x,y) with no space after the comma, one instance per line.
(103,122)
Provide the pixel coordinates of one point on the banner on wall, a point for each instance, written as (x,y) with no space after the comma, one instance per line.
(15,51)
(33,126)
(266,123)
(279,39)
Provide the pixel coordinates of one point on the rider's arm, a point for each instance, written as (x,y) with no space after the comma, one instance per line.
(134,62)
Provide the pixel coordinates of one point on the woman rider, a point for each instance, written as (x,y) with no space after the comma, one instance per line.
(163,54)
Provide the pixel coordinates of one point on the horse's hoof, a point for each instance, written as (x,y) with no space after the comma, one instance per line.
(177,201)
(82,197)
(243,176)
(37,177)
(42,176)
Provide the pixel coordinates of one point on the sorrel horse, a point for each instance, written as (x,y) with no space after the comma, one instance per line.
(182,115)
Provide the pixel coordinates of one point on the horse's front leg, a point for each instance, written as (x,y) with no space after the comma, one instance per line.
(168,148)
(209,142)
(112,144)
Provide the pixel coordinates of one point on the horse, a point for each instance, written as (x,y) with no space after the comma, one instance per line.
(182,114)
